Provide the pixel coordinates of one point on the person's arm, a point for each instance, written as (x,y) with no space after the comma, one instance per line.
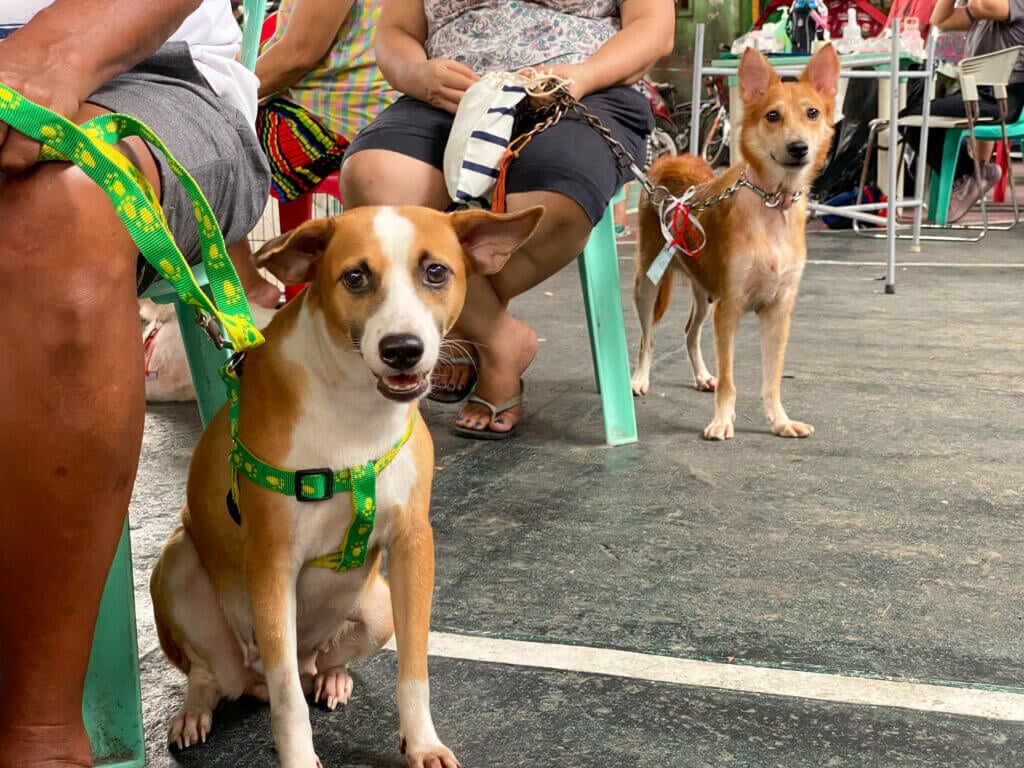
(67,50)
(308,37)
(948,18)
(647,34)
(991,10)
(402,60)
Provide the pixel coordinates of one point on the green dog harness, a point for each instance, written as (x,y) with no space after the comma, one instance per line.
(310,484)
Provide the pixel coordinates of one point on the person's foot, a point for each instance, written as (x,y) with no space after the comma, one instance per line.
(455,373)
(966,192)
(623,232)
(501,371)
(263,294)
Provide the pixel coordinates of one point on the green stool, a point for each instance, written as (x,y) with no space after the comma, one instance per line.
(602,297)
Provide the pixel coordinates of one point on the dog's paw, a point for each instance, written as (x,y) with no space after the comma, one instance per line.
(793,429)
(428,756)
(641,382)
(705,383)
(333,687)
(189,727)
(719,429)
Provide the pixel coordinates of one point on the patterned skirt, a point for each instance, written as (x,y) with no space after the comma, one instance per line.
(301,152)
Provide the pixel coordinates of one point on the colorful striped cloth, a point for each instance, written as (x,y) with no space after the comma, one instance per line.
(345,90)
(301,151)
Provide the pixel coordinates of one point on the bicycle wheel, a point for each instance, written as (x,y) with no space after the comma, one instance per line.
(714,130)
(662,144)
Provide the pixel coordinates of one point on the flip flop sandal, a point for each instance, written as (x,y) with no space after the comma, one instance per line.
(487,433)
(444,395)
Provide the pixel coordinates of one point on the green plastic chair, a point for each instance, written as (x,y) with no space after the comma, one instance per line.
(112,700)
(942,183)
(602,297)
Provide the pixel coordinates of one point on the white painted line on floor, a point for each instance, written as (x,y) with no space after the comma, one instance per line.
(899,264)
(843,689)
(981,265)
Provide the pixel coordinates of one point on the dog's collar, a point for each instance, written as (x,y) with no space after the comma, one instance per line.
(781,200)
(309,484)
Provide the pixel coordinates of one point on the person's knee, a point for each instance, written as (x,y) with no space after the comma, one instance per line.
(383,177)
(564,223)
(60,228)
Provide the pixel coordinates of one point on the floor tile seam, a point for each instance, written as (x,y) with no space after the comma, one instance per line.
(953,697)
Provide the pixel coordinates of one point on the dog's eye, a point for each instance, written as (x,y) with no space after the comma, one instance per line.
(773,116)
(355,279)
(436,274)
(812,113)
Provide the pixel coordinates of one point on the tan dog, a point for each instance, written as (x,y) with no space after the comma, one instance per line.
(756,247)
(238,608)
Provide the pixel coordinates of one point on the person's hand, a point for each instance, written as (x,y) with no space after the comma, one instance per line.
(442,83)
(576,74)
(39,80)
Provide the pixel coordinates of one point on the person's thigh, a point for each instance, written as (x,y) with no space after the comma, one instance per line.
(572,158)
(207,135)
(398,158)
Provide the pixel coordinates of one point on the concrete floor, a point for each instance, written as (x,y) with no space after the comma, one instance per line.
(887,546)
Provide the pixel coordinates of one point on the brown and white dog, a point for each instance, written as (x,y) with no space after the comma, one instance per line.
(755,252)
(335,385)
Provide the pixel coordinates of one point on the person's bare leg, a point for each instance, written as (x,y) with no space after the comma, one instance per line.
(506,344)
(258,290)
(72,406)
(382,177)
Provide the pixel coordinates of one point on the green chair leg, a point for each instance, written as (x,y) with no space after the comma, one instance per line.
(204,361)
(941,188)
(112,705)
(599,275)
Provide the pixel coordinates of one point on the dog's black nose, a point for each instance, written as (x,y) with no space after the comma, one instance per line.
(797,149)
(401,351)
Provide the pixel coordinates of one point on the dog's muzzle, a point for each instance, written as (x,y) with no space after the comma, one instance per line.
(402,353)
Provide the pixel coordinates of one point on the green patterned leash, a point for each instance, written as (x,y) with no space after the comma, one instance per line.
(310,484)
(90,147)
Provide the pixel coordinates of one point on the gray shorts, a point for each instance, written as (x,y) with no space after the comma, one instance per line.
(208,136)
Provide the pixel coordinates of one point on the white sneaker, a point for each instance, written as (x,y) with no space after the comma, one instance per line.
(966,193)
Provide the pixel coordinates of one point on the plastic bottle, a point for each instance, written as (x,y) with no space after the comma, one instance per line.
(851,29)
(782,44)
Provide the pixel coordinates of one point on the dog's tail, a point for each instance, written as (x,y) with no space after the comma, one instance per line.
(664,297)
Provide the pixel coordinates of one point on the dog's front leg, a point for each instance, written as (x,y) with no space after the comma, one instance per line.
(774,335)
(725,321)
(271,573)
(411,573)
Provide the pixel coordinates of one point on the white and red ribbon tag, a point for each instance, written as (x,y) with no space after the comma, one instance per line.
(681,231)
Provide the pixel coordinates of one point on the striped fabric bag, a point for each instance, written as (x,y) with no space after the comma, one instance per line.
(480,136)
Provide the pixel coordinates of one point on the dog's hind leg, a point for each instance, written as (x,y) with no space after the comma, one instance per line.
(703,381)
(196,637)
(774,334)
(365,632)
(644,295)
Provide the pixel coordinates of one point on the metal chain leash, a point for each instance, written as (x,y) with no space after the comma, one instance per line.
(563,103)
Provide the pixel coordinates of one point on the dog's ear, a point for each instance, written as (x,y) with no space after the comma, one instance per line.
(490,238)
(293,256)
(822,71)
(756,75)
